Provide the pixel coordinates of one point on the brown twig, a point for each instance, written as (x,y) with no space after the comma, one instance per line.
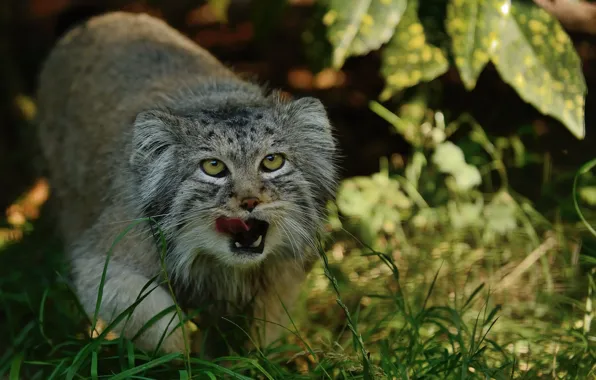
(577,16)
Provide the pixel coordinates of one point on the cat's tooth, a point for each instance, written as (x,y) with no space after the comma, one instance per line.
(257,242)
(238,245)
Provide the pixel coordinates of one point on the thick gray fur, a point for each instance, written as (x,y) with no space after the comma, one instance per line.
(128,107)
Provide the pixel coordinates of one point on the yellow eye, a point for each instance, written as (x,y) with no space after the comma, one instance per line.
(273,162)
(214,168)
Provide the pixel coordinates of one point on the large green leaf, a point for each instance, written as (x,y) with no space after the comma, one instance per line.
(530,50)
(408,59)
(473,26)
(356,27)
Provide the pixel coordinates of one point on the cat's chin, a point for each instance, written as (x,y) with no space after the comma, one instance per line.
(241,259)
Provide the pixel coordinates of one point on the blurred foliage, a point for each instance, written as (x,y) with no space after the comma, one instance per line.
(437,186)
(528,47)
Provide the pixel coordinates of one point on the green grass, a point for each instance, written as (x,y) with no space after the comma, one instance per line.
(423,309)
(418,299)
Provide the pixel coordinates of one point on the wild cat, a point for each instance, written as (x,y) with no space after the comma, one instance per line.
(137,121)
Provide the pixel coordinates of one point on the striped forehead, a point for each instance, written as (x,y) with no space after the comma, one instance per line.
(241,131)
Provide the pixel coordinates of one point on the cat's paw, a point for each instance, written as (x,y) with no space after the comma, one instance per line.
(181,340)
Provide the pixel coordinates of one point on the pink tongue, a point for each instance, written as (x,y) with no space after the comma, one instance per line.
(231,225)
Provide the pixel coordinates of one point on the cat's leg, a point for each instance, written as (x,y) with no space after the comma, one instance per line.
(122,288)
(273,307)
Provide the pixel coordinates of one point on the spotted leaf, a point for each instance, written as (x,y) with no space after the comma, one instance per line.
(541,63)
(529,49)
(473,27)
(356,27)
(408,58)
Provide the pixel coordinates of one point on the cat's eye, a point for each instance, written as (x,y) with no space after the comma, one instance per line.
(273,162)
(214,168)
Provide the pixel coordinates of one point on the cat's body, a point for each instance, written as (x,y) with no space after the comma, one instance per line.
(134,120)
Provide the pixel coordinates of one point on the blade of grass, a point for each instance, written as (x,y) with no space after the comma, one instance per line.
(94,375)
(368,375)
(585,168)
(105,269)
(153,363)
(15,367)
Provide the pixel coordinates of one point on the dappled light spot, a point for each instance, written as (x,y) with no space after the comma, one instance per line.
(27,208)
(26,106)
(329,78)
(24,210)
(202,15)
(100,326)
(219,8)
(301,79)
(338,251)
(8,235)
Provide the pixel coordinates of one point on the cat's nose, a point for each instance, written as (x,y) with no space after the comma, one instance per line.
(249,204)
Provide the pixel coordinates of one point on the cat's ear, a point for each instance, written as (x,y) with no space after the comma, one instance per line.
(153,134)
(309,111)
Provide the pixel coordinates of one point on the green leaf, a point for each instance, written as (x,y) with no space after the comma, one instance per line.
(588,195)
(529,49)
(356,27)
(15,367)
(377,202)
(466,214)
(467,178)
(220,9)
(449,158)
(500,216)
(408,58)
(473,27)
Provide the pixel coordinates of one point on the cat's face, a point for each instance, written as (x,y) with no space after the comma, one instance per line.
(237,182)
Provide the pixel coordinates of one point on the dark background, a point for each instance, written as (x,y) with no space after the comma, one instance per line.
(29,28)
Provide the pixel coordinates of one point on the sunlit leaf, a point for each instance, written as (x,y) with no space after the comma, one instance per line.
(408,59)
(414,168)
(473,27)
(448,157)
(465,214)
(529,49)
(588,195)
(376,202)
(356,27)
(500,216)
(467,177)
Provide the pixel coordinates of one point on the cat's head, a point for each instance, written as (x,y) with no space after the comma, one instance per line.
(237,179)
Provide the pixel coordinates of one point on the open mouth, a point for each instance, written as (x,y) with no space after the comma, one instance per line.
(245,236)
